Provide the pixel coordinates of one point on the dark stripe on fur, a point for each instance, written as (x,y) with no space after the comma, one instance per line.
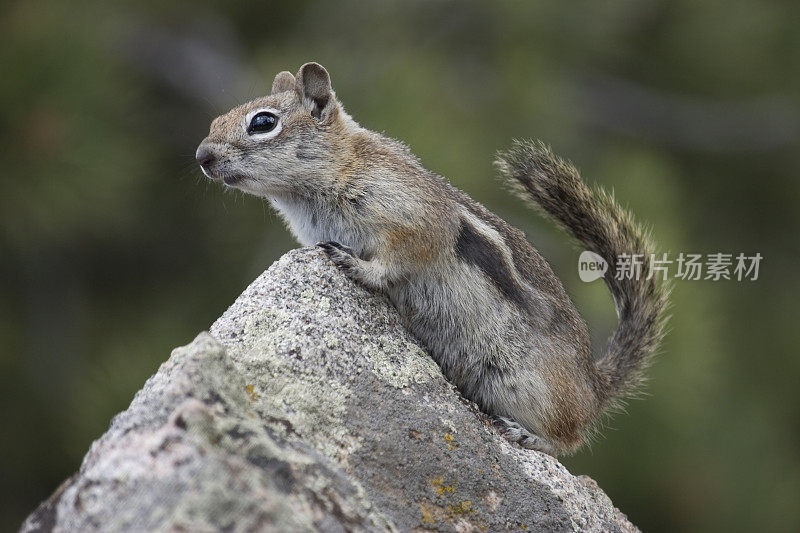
(474,248)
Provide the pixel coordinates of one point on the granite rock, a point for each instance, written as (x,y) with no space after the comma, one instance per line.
(309,407)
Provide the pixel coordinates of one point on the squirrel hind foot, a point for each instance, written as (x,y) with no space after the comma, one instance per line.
(513,432)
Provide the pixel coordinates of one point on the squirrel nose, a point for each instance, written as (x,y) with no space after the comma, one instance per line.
(205,156)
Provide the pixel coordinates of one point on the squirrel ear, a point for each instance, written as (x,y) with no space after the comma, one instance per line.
(284,81)
(314,87)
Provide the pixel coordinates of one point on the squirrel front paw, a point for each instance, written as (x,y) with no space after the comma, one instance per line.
(370,274)
(342,256)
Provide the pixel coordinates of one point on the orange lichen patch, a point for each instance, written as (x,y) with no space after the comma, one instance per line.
(440,488)
(464,511)
(427,513)
(460,509)
(251,392)
(456,513)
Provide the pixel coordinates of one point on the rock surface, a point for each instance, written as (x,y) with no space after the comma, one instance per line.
(309,407)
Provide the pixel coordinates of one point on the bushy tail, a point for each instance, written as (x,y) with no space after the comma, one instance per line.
(594,218)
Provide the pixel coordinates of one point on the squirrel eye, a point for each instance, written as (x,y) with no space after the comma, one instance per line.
(262,123)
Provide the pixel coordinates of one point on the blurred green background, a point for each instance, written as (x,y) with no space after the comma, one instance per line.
(114,249)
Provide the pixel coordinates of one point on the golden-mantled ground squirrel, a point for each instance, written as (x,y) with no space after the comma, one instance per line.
(482,300)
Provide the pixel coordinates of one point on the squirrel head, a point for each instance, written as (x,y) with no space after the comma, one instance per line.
(277,144)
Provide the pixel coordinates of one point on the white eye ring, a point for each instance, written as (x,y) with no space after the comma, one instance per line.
(266,135)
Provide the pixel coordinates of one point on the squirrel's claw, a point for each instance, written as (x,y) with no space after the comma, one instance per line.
(329,246)
(342,256)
